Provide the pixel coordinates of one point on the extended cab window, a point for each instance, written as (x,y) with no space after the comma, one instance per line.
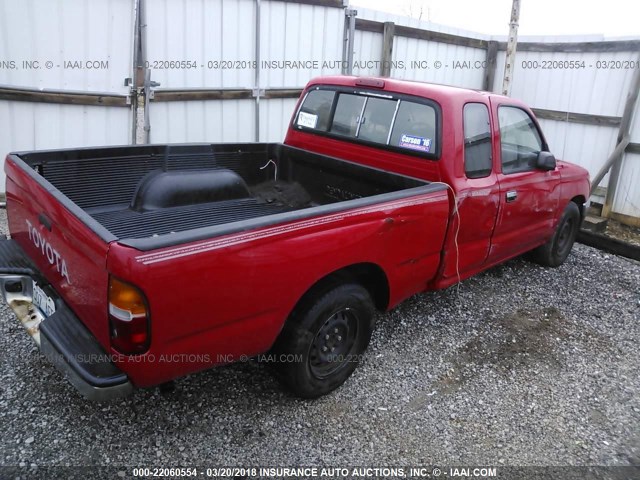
(477,140)
(520,142)
(399,123)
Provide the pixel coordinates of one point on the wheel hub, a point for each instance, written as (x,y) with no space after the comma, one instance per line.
(565,236)
(333,343)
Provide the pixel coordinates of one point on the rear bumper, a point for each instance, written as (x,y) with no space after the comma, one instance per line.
(62,337)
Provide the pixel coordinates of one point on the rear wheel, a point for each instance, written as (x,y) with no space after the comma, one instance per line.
(321,344)
(557,249)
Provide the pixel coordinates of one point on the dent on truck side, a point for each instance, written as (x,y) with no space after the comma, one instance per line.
(575,185)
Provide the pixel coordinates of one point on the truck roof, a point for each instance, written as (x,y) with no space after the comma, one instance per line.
(411,87)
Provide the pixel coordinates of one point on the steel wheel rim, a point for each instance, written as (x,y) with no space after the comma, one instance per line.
(333,343)
(564,238)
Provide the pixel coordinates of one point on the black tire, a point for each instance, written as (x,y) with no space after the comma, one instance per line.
(557,249)
(341,319)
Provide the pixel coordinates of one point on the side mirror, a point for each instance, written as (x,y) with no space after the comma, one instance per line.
(546,161)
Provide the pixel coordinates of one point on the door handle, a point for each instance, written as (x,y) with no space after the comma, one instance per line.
(511,196)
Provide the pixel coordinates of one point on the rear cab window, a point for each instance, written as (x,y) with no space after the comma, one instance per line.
(402,123)
(316,110)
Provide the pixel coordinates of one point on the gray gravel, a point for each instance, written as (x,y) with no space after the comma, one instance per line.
(519,366)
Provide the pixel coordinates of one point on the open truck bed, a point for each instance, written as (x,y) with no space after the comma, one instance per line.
(189,233)
(155,196)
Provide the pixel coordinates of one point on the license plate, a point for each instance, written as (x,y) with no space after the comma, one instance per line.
(43,301)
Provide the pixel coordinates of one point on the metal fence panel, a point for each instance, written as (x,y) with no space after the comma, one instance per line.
(215,36)
(586,145)
(627,197)
(202,121)
(411,49)
(217,39)
(38,126)
(596,84)
(441,63)
(540,80)
(303,33)
(367,50)
(79,45)
(275,115)
(219,120)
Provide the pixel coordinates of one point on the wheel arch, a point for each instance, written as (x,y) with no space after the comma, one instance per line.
(300,330)
(370,275)
(579,200)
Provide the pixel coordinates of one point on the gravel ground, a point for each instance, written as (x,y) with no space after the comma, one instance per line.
(519,366)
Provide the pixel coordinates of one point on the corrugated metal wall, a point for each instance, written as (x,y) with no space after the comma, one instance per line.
(411,49)
(219,37)
(200,31)
(73,31)
(627,198)
(589,90)
(37,126)
(408,50)
(291,31)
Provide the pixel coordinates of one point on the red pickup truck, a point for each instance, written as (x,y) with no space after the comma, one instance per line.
(135,265)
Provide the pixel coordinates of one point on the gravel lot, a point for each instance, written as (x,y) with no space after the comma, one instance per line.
(519,366)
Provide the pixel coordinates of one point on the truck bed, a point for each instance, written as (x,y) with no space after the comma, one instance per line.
(128,223)
(160,195)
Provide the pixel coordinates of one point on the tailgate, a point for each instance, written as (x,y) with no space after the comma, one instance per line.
(68,254)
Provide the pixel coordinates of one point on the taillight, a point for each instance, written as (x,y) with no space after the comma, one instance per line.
(128,318)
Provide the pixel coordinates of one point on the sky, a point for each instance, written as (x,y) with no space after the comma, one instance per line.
(613,18)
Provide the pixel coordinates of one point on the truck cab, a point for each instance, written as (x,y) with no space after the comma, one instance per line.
(509,191)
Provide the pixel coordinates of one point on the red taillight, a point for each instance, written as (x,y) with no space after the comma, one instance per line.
(128,318)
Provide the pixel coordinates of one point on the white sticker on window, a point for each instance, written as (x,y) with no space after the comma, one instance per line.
(308,120)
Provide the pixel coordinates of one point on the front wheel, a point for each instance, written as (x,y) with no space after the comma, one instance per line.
(557,249)
(323,340)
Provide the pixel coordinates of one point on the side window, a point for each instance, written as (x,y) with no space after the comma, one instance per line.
(316,110)
(477,140)
(520,141)
(415,127)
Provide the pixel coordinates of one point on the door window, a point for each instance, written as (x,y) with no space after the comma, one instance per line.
(520,142)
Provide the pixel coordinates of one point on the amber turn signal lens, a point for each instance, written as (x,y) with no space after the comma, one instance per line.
(128,318)
(126,301)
